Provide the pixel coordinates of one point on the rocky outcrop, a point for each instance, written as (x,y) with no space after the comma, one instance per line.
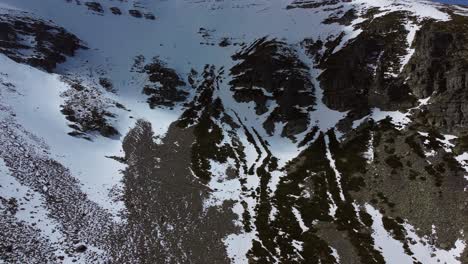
(36,42)
(165,86)
(365,72)
(439,69)
(342,18)
(94,6)
(88,110)
(205,114)
(271,75)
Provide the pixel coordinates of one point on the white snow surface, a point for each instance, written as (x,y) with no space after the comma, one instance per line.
(36,104)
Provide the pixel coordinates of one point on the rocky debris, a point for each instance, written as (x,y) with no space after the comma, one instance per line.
(270,74)
(167,219)
(88,111)
(74,216)
(20,241)
(439,69)
(36,42)
(165,87)
(365,73)
(116,10)
(94,6)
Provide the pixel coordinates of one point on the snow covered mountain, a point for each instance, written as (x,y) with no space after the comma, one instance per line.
(233,131)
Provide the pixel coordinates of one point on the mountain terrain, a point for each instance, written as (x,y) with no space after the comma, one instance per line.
(233,131)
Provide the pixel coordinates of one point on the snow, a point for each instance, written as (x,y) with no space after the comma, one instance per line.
(224,189)
(275,179)
(37,108)
(424,101)
(237,246)
(427,253)
(420,7)
(398,118)
(446,142)
(333,207)
(369,154)
(412,29)
(31,211)
(335,254)
(299,219)
(11,188)
(393,251)
(333,166)
(112,51)
(463,160)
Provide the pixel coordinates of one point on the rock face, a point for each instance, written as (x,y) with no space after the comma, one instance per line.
(365,73)
(272,76)
(439,69)
(165,85)
(36,42)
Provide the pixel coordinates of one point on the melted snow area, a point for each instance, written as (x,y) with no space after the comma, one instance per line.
(31,104)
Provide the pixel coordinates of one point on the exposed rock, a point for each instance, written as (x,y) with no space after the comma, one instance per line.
(439,69)
(94,6)
(116,10)
(36,42)
(135,13)
(365,73)
(270,73)
(344,19)
(81,248)
(406,183)
(88,111)
(224,42)
(107,84)
(164,88)
(149,16)
(203,114)
(177,228)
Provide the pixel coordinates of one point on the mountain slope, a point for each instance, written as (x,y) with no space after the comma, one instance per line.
(233,131)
